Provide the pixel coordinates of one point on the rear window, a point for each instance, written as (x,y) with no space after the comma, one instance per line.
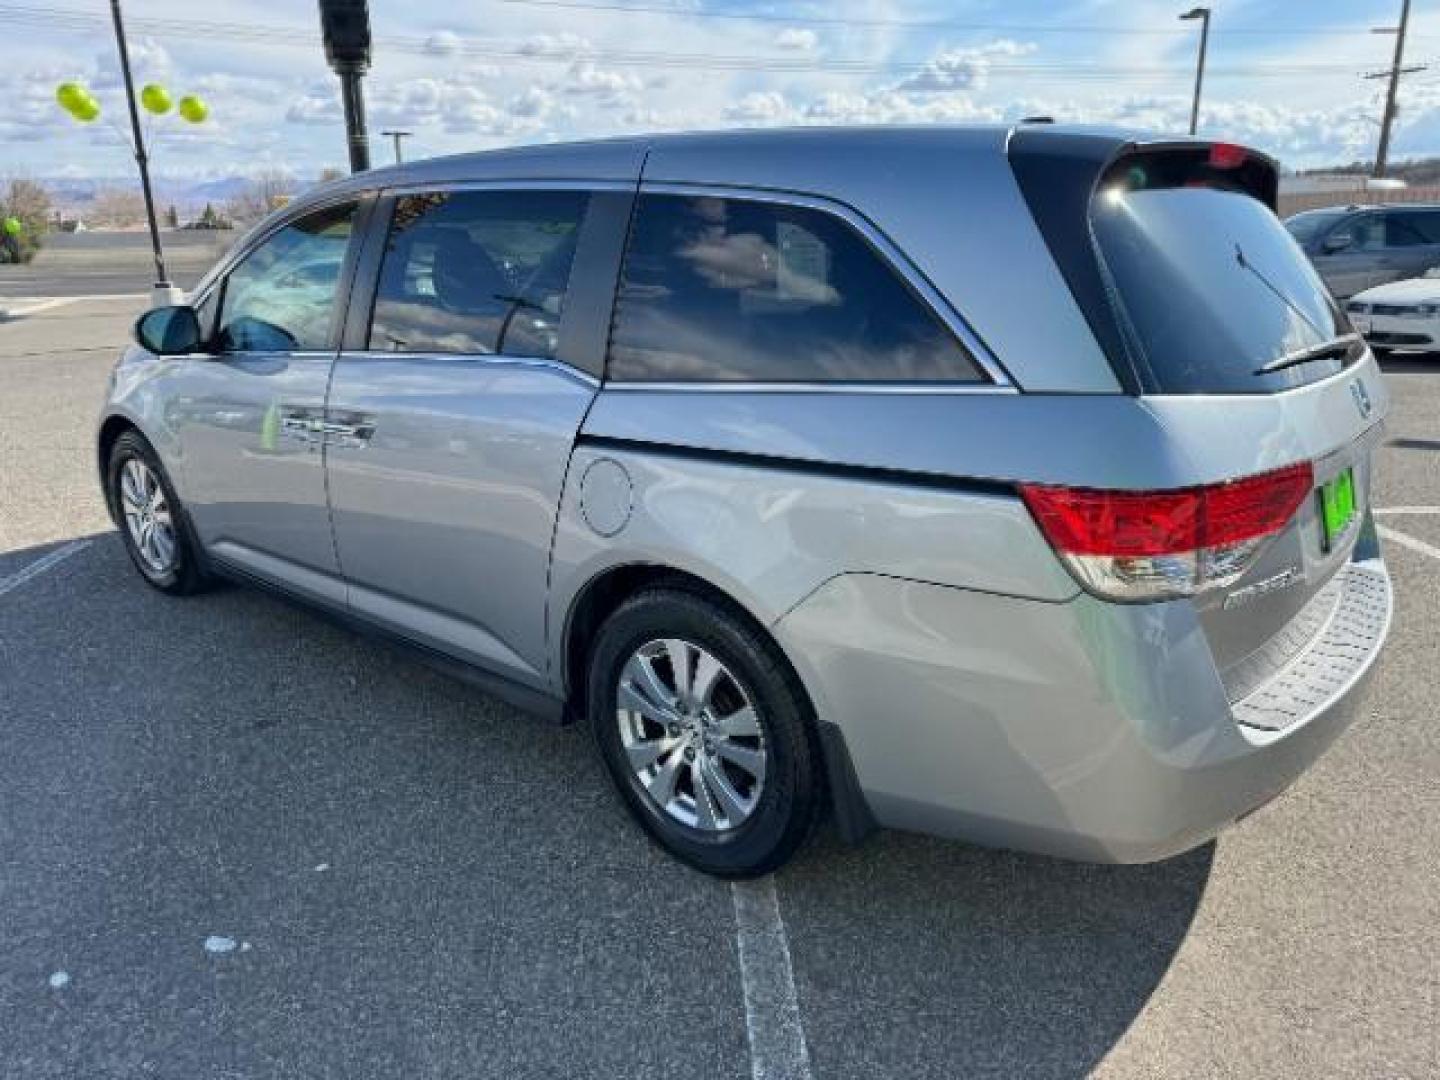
(1211,293)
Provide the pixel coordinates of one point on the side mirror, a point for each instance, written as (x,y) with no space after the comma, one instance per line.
(169,331)
(1337,241)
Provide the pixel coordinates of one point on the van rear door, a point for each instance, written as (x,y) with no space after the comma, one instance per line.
(1215,319)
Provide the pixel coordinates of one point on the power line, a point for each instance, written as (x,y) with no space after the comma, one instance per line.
(919,24)
(237,33)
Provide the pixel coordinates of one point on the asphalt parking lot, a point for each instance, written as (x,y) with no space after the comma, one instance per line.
(237,841)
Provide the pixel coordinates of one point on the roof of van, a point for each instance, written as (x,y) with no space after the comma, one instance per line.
(715,156)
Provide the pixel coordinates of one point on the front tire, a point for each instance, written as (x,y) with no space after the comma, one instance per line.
(153,525)
(705,731)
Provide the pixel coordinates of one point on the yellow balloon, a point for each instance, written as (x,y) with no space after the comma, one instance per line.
(87,110)
(70,94)
(193,108)
(155,98)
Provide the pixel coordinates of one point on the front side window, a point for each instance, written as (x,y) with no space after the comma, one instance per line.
(739,290)
(281,298)
(477,272)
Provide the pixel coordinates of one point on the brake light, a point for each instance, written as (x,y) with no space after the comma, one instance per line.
(1154,545)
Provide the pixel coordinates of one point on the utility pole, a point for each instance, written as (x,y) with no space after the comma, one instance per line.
(1203,14)
(345,25)
(397,136)
(1397,68)
(163,291)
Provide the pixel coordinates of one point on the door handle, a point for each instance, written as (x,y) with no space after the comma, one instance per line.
(352,431)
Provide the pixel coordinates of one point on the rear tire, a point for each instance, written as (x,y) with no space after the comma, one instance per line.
(153,524)
(717,762)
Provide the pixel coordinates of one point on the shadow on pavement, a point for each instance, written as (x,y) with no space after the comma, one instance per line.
(420,882)
(998,963)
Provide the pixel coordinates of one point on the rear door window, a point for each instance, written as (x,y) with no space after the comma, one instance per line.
(1212,293)
(1400,231)
(1423,224)
(477,272)
(741,290)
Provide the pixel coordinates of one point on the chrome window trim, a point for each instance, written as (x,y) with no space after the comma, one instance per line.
(892,256)
(488,359)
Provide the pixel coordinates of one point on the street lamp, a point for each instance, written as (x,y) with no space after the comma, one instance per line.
(1203,14)
(397,136)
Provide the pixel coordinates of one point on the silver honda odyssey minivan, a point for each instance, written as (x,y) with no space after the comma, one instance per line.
(1007,484)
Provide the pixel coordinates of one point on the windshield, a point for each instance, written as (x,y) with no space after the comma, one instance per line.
(1307,226)
(1210,289)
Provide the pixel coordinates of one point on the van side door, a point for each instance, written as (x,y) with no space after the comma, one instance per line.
(454,407)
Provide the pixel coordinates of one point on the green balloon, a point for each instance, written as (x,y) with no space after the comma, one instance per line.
(70,95)
(87,110)
(13,226)
(193,108)
(155,98)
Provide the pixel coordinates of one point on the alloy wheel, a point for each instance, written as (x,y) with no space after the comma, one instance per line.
(691,735)
(147,516)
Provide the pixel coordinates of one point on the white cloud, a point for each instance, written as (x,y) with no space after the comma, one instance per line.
(442,43)
(760,107)
(793,39)
(962,69)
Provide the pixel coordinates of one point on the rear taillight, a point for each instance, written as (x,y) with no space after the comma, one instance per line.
(1155,545)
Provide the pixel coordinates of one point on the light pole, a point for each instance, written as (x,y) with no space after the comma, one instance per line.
(396,136)
(163,291)
(1203,14)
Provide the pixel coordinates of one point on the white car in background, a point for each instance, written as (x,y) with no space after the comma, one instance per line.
(1400,315)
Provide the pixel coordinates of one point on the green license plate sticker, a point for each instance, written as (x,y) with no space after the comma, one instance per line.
(1337,506)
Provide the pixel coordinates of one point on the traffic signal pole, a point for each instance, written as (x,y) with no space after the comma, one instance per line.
(345,26)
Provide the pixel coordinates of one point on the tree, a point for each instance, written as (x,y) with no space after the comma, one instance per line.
(118,208)
(267,190)
(28,202)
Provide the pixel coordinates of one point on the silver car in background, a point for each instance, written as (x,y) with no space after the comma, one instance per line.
(1009,484)
(1359,247)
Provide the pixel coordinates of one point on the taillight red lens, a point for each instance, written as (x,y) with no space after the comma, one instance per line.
(1086,521)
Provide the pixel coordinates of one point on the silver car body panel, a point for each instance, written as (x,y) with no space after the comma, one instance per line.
(875,530)
(443,516)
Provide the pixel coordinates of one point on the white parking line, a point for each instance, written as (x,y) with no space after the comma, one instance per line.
(42,564)
(772,1013)
(1407,510)
(1397,537)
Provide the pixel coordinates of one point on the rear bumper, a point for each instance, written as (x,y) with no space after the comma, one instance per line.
(1082,729)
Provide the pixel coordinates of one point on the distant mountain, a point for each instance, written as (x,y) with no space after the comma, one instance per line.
(74,194)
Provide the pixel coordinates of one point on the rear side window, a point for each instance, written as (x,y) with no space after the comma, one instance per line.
(281,298)
(1211,293)
(477,272)
(739,290)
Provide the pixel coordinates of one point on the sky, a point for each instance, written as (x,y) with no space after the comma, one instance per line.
(1283,76)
